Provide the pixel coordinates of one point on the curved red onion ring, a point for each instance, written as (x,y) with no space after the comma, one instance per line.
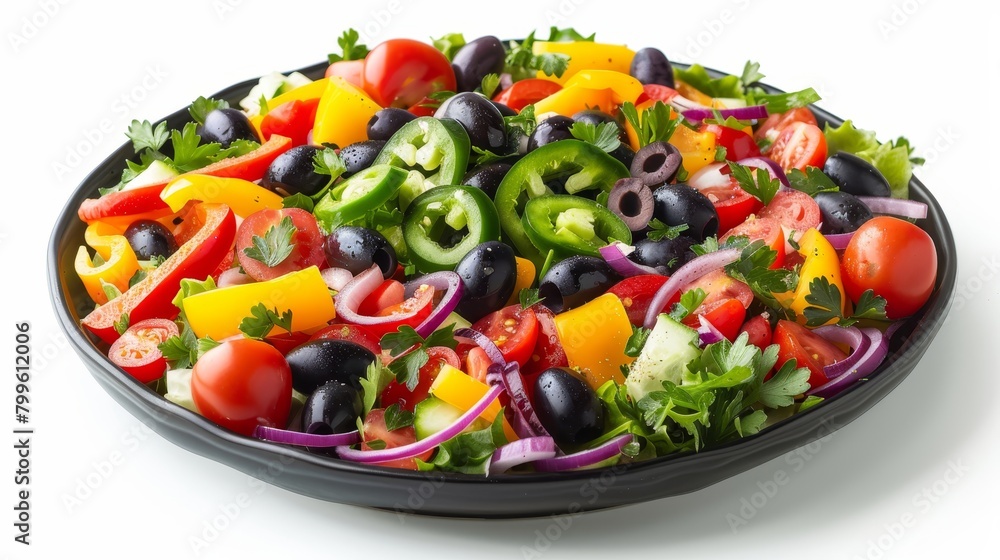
(446,281)
(616,257)
(742,113)
(895,206)
(336,278)
(772,167)
(586,458)
(839,241)
(860,367)
(277,435)
(691,271)
(851,336)
(522,451)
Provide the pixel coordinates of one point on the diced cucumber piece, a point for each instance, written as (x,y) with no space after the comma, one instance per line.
(668,350)
(157,172)
(432,415)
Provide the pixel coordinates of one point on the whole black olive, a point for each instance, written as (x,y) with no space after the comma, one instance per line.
(487,178)
(488,272)
(594,117)
(333,408)
(293,172)
(550,130)
(475,60)
(665,255)
(504,110)
(357,249)
(842,212)
(682,204)
(226,126)
(575,281)
(855,175)
(322,361)
(150,239)
(624,154)
(360,155)
(567,407)
(483,121)
(387,122)
(650,66)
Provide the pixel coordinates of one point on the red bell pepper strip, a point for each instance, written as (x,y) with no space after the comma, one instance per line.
(151,297)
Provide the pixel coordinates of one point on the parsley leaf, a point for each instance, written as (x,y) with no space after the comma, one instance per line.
(406,367)
(690,300)
(449,44)
(782,102)
(660,230)
(824,301)
(751,73)
(762,187)
(812,182)
(329,162)
(201,107)
(489,85)
(524,121)
(789,382)
(275,246)
(635,343)
(521,62)
(377,378)
(655,124)
(469,452)
(298,200)
(397,417)
(262,320)
(568,35)
(121,325)
(486,157)
(236,149)
(350,48)
(604,135)
(145,136)
(869,306)
(529,297)
(753,268)
(189,153)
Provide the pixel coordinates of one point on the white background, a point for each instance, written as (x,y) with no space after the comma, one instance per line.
(895,66)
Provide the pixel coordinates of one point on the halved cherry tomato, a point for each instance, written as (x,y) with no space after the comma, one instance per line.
(351,333)
(137,350)
(293,119)
(774,124)
(391,293)
(422,299)
(397,393)
(726,315)
(758,331)
(738,144)
(307,242)
(526,92)
(799,145)
(718,288)
(656,92)
(765,229)
(375,430)
(732,203)
(411,312)
(794,210)
(637,293)
(809,350)
(477,363)
(349,70)
(401,72)
(514,330)
(286,342)
(548,351)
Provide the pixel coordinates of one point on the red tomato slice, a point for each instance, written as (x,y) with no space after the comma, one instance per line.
(293,119)
(799,145)
(809,349)
(765,229)
(794,210)
(718,288)
(727,316)
(307,241)
(637,293)
(738,144)
(514,330)
(390,293)
(477,363)
(548,351)
(351,333)
(349,70)
(526,92)
(375,430)
(758,331)
(137,350)
(732,203)
(656,92)
(401,72)
(774,124)
(422,299)
(397,393)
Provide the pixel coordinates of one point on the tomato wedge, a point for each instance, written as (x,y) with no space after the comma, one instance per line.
(514,330)
(137,350)
(774,124)
(799,145)
(637,293)
(732,203)
(726,315)
(390,293)
(548,352)
(794,210)
(375,430)
(526,92)
(738,144)
(807,348)
(765,229)
(758,331)
(293,119)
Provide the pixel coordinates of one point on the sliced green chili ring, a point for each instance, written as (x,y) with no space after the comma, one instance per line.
(571,225)
(363,192)
(576,165)
(437,148)
(445,223)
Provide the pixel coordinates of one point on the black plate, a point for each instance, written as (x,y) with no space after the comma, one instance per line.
(461,495)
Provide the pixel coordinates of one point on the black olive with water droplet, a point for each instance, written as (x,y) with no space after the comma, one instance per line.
(567,407)
(488,273)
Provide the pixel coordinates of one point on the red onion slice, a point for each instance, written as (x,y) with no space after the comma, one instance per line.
(449,283)
(743,113)
(691,271)
(839,241)
(277,435)
(851,336)
(483,341)
(707,332)
(420,447)
(336,278)
(586,458)
(522,451)
(862,366)
(772,167)
(616,256)
(895,206)
(233,277)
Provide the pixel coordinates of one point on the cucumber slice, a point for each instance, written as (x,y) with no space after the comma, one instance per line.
(432,415)
(157,172)
(668,350)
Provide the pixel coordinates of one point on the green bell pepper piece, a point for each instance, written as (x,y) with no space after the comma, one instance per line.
(571,225)
(445,223)
(575,165)
(437,148)
(363,192)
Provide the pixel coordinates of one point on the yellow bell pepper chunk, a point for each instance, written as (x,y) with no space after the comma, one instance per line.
(525,277)
(693,94)
(243,197)
(623,87)
(312,90)
(697,148)
(218,313)
(594,336)
(820,260)
(456,388)
(569,101)
(586,55)
(120,262)
(343,114)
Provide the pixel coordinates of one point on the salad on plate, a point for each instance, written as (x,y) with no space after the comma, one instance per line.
(493,257)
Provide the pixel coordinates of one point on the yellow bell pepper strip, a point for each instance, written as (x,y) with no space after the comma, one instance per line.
(697,148)
(693,93)
(242,196)
(458,389)
(623,86)
(586,55)
(525,277)
(820,261)
(594,336)
(312,90)
(343,114)
(569,101)
(120,262)
(218,313)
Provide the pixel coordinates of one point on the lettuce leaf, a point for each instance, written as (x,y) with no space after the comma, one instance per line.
(892,160)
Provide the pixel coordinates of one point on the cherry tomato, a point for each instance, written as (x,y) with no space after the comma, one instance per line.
(774,124)
(765,229)
(243,383)
(375,430)
(548,351)
(286,342)
(352,333)
(477,363)
(401,72)
(794,210)
(738,144)
(307,242)
(526,92)
(397,393)
(349,70)
(799,145)
(136,350)
(732,203)
(390,293)
(893,258)
(424,108)
(758,330)
(514,330)
(725,315)
(809,350)
(293,119)
(637,293)
(412,312)
(656,92)
(718,286)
